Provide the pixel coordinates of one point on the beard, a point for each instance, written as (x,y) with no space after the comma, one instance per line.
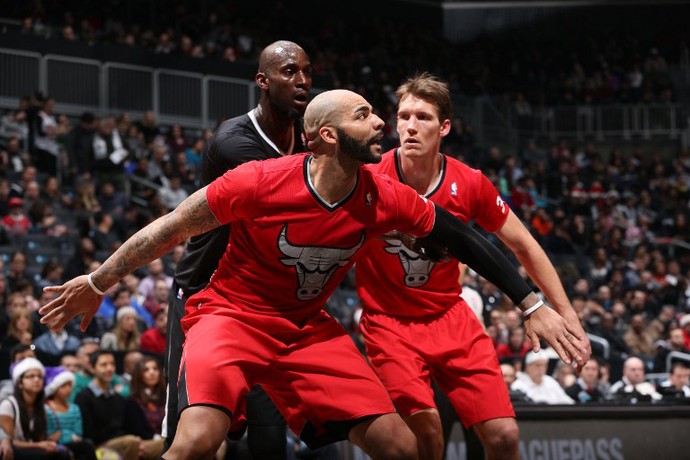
(358,150)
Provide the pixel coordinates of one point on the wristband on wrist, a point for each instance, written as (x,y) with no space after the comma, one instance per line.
(533,308)
(98,291)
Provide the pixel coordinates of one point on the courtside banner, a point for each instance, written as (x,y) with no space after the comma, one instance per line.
(587,433)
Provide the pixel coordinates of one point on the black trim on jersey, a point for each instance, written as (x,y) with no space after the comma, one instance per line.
(315,194)
(401,177)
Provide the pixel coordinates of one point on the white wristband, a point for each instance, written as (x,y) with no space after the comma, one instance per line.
(533,308)
(98,291)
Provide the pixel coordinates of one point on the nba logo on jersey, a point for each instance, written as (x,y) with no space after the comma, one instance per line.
(368,199)
(454,189)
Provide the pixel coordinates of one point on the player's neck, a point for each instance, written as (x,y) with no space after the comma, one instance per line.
(332,178)
(277,126)
(421,172)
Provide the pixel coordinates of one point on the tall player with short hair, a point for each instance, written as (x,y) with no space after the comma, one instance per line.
(298,224)
(271,130)
(415,326)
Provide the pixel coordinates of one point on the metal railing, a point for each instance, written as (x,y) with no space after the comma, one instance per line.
(79,85)
(603,343)
(199,101)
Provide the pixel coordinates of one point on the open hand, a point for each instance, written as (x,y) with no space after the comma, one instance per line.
(570,344)
(76,298)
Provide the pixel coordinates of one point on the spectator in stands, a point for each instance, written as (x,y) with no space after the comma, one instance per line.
(153,340)
(103,410)
(172,193)
(509,376)
(12,157)
(125,336)
(564,375)
(103,234)
(155,272)
(659,326)
(64,422)
(148,126)
(53,344)
(685,326)
(16,354)
(117,297)
(586,388)
(516,348)
(633,386)
(85,197)
(83,377)
(14,126)
(19,330)
(28,175)
(663,348)
(678,383)
(16,222)
(51,275)
(70,363)
(129,364)
(4,205)
(83,256)
(112,201)
(638,338)
(176,139)
(46,150)
(80,145)
(23,417)
(146,406)
(159,297)
(538,386)
(109,154)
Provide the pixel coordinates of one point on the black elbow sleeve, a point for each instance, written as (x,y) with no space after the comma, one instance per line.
(468,246)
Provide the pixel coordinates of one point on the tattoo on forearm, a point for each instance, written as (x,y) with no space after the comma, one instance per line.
(192,217)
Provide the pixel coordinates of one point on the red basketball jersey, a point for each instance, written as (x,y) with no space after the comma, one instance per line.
(394,280)
(289,249)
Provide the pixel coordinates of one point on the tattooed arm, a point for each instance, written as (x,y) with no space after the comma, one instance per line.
(192,217)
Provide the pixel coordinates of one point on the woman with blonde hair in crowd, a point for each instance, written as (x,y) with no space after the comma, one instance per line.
(23,416)
(125,336)
(146,406)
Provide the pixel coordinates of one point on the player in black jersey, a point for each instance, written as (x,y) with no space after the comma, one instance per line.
(271,130)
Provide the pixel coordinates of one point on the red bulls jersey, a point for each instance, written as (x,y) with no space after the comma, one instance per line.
(394,280)
(289,249)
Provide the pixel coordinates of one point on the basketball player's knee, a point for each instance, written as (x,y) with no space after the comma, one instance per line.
(401,447)
(504,438)
(192,448)
(429,435)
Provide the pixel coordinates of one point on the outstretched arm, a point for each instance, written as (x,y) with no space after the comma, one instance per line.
(192,217)
(531,255)
(468,246)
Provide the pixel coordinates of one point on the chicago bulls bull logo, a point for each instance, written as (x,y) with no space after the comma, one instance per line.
(417,269)
(314,264)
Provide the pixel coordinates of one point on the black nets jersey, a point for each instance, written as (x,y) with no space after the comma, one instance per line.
(236,141)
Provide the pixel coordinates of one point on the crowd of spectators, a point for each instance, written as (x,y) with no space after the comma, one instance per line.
(615,223)
(377,53)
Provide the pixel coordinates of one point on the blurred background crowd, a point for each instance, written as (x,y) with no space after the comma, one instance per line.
(613,217)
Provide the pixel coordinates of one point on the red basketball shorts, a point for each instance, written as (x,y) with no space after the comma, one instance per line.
(451,348)
(312,371)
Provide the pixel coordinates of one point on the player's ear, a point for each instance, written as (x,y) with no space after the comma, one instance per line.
(445,127)
(328,135)
(261,80)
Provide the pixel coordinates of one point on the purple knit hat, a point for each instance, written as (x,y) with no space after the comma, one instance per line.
(55,378)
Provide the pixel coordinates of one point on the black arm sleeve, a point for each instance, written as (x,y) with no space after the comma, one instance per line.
(468,246)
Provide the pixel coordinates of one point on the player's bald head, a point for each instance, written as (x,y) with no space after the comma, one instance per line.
(275,54)
(326,109)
